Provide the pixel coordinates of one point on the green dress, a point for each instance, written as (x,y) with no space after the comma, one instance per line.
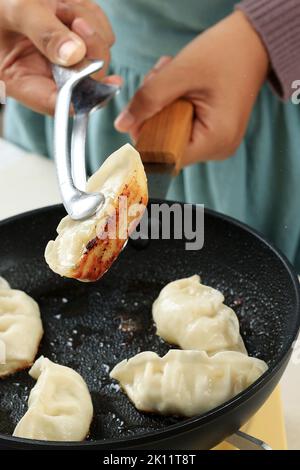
(259,185)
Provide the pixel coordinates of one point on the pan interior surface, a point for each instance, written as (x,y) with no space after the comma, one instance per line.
(92,326)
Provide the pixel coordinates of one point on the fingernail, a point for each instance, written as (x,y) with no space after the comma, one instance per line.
(69,50)
(124,121)
(83,28)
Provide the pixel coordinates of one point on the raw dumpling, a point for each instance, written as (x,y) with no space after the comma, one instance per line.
(186,383)
(3,283)
(21,329)
(193,316)
(81,249)
(59,405)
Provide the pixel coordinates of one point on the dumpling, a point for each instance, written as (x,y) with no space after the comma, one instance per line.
(82,249)
(21,329)
(59,405)
(186,383)
(3,283)
(193,316)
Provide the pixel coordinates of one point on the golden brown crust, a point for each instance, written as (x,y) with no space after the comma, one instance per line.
(22,366)
(100,253)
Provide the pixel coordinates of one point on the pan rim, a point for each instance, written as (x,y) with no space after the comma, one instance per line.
(191,423)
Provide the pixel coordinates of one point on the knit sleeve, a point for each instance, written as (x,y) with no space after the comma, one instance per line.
(278,24)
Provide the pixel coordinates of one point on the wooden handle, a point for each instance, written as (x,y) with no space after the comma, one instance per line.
(164,137)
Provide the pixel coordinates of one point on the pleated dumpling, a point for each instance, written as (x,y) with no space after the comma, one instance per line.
(193,316)
(21,329)
(3,283)
(59,405)
(82,249)
(186,383)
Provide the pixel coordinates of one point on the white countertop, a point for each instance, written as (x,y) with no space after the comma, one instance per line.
(26,181)
(29,181)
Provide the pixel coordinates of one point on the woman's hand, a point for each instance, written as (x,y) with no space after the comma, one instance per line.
(221,73)
(34,33)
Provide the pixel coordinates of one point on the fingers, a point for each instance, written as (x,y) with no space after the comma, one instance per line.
(36,92)
(162,61)
(157,91)
(64,31)
(213,138)
(39,93)
(37,20)
(88,21)
(69,10)
(113,80)
(28,77)
(96,47)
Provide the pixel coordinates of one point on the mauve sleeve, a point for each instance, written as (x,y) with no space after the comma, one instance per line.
(278,24)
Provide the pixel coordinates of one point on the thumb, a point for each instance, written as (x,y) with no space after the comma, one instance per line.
(163,85)
(37,21)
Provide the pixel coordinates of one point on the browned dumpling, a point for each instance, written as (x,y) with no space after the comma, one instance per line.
(21,329)
(82,250)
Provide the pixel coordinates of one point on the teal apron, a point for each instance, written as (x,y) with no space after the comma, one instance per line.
(259,185)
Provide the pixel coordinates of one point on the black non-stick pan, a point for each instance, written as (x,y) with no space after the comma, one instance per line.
(91,327)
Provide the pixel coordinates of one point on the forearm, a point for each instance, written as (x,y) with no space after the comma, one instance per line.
(278,23)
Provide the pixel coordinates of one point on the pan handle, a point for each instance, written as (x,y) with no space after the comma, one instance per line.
(243,441)
(164,137)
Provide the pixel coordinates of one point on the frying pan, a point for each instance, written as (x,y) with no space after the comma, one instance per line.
(91,327)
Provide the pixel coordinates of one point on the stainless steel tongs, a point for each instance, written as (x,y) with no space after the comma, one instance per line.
(86,95)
